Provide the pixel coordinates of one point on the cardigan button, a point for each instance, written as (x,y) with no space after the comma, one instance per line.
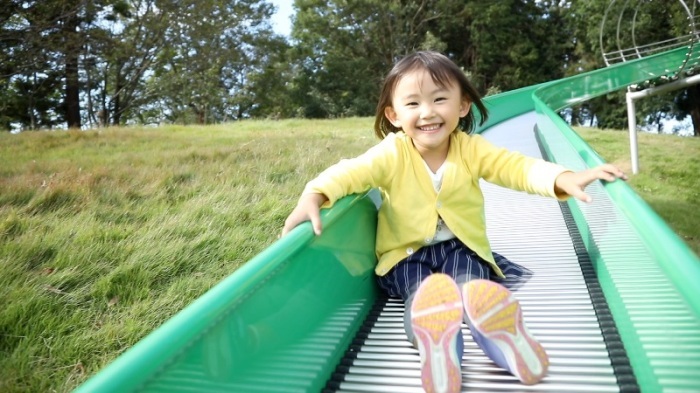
(409,251)
(439,204)
(428,240)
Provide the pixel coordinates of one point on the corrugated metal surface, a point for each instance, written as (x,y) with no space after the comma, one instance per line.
(663,333)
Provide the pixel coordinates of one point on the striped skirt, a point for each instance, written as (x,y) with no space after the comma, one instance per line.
(453,258)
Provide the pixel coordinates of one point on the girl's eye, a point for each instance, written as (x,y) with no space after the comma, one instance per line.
(411,104)
(440,99)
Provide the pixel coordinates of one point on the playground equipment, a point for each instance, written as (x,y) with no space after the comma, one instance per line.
(627,46)
(614,299)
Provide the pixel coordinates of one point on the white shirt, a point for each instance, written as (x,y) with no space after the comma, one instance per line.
(442,232)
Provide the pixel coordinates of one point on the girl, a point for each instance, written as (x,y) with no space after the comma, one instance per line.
(431,236)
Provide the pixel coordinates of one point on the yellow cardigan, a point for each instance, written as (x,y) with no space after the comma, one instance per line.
(410,206)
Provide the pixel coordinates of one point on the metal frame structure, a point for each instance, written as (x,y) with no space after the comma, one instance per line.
(674,79)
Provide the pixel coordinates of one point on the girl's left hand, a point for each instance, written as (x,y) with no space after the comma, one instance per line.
(573,183)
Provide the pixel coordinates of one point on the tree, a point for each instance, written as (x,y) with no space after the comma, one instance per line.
(30,63)
(213,48)
(508,44)
(42,44)
(343,48)
(147,61)
(270,83)
(121,61)
(123,47)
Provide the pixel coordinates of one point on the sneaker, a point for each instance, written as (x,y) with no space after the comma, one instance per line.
(496,323)
(436,319)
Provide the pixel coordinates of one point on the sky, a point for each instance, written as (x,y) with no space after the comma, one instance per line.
(280,21)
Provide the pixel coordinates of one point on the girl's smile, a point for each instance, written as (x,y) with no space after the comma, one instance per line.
(430,128)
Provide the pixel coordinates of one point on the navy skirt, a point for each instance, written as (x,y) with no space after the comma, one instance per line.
(451,257)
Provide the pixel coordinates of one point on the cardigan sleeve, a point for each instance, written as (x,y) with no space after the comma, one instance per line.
(514,170)
(542,176)
(371,169)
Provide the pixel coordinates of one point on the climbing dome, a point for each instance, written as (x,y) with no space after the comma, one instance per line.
(630,30)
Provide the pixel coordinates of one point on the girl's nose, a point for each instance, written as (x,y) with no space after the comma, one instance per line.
(426,112)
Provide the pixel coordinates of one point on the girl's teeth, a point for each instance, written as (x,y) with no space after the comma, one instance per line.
(430,128)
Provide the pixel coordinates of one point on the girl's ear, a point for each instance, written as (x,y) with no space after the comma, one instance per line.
(464,108)
(390,115)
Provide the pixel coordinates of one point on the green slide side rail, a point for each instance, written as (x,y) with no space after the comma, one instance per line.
(648,274)
(283,320)
(678,261)
(280,321)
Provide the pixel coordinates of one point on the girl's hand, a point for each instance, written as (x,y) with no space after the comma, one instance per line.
(307,209)
(573,183)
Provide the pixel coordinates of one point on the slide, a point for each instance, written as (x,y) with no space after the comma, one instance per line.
(615,299)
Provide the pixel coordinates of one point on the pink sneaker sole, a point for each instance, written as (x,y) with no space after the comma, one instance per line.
(436,318)
(496,321)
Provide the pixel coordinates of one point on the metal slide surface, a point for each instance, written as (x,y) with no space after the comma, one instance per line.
(614,298)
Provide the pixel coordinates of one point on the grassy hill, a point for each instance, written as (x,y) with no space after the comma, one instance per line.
(106,234)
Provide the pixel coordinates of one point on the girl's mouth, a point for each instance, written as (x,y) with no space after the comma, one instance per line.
(430,127)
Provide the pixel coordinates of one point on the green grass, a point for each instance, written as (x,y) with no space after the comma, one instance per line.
(104,235)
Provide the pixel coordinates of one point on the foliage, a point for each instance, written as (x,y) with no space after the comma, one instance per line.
(213,49)
(343,48)
(118,62)
(103,62)
(514,43)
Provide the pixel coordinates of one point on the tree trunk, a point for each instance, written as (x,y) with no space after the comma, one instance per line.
(694,100)
(116,98)
(72,53)
(199,113)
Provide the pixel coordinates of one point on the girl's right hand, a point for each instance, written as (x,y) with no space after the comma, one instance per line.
(574,183)
(308,209)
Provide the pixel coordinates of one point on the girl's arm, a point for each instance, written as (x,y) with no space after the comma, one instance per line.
(514,170)
(574,183)
(358,174)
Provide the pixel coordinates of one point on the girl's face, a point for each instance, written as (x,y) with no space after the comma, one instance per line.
(426,112)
